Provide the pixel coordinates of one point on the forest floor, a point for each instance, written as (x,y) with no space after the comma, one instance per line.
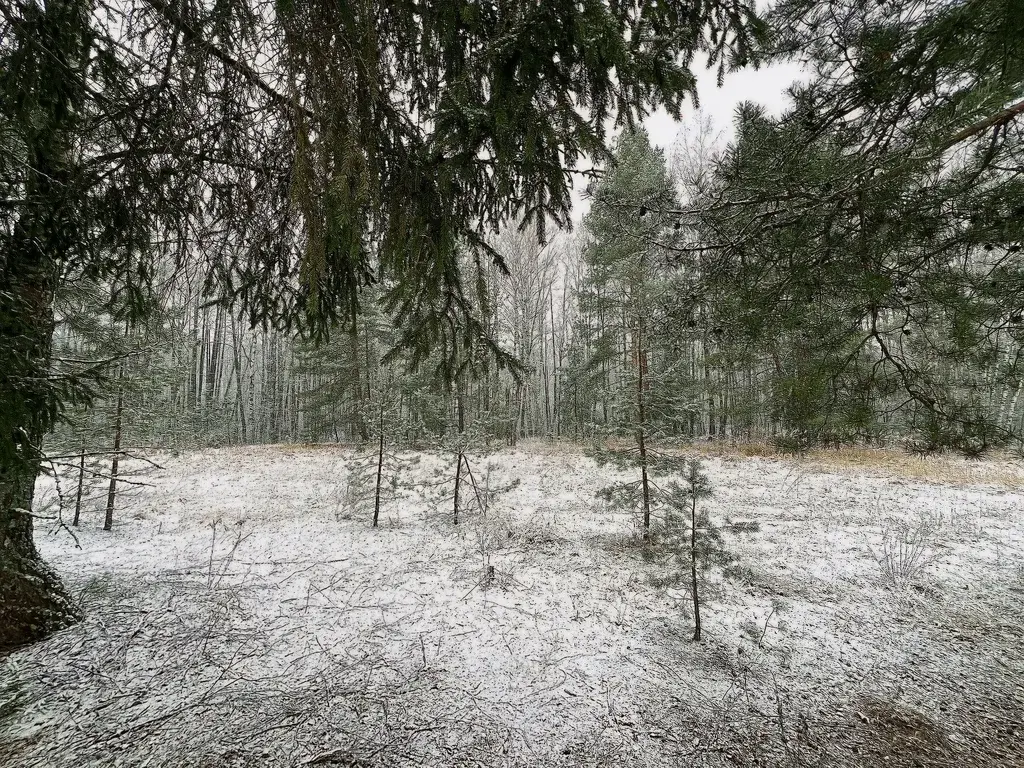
(244,613)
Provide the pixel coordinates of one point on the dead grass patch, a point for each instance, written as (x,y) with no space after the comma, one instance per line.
(314,447)
(900,731)
(546,447)
(1002,472)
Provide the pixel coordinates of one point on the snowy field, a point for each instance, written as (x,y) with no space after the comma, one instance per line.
(244,613)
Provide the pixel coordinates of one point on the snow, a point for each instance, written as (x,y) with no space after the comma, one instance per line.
(242,612)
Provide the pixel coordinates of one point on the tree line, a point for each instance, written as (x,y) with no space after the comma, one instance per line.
(235,222)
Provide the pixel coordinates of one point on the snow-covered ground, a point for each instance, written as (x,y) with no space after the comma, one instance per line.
(244,613)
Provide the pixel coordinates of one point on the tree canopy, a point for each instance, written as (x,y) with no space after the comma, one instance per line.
(298,151)
(871,234)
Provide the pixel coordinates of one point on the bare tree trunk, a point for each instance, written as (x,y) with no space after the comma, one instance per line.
(576,411)
(213,363)
(458,480)
(380,466)
(108,520)
(693,568)
(254,421)
(195,375)
(357,387)
(711,396)
(545,378)
(723,406)
(555,354)
(460,405)
(513,420)
(236,348)
(641,428)
(201,367)
(78,495)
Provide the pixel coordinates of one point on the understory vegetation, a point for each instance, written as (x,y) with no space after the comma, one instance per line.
(377,385)
(246,587)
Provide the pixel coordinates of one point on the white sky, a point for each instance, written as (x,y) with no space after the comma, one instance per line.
(765,86)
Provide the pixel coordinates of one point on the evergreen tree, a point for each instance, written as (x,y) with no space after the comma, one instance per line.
(121,149)
(870,238)
(139,134)
(700,547)
(625,288)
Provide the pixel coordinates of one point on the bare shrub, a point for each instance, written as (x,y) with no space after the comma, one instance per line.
(907,549)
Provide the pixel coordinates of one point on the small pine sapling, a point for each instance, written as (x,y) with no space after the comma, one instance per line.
(373,471)
(466,441)
(359,485)
(700,547)
(387,421)
(644,494)
(493,533)
(380,464)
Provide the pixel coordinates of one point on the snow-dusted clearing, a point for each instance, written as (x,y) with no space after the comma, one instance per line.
(239,615)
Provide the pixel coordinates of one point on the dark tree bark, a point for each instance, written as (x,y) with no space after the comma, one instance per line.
(78,494)
(380,466)
(693,568)
(357,387)
(458,482)
(33,602)
(108,520)
(642,446)
(641,404)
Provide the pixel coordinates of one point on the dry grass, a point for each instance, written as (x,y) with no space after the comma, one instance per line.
(312,447)
(549,447)
(1000,471)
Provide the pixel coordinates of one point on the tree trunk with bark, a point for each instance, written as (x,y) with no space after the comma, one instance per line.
(33,602)
(641,440)
(380,466)
(693,569)
(52,44)
(108,520)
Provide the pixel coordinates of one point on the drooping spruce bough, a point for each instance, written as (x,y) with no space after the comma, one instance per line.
(302,151)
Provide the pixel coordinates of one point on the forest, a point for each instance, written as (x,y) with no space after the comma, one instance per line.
(332,332)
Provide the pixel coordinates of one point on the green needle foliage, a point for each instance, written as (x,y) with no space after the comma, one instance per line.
(623,290)
(870,238)
(422,125)
(297,154)
(697,544)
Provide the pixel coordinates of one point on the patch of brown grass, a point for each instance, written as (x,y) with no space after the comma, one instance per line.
(313,447)
(944,469)
(999,471)
(543,446)
(903,736)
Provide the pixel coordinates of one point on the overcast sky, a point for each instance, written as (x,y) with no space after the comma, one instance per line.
(765,86)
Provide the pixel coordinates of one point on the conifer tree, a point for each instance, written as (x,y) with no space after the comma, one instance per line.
(624,289)
(120,150)
(703,541)
(287,147)
(870,237)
